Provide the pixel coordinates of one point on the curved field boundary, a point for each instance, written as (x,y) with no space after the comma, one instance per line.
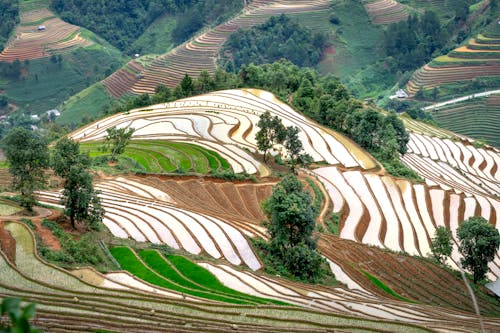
(131,215)
(336,300)
(401,216)
(28,42)
(385,11)
(414,278)
(225,121)
(201,52)
(455,164)
(65,302)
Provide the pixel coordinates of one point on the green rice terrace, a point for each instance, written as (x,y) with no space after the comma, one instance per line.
(155,156)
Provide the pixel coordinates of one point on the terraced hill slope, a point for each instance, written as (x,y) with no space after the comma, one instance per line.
(201,52)
(478,58)
(225,122)
(385,11)
(41,34)
(66,302)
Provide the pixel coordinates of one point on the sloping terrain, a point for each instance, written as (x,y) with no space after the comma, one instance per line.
(385,11)
(41,34)
(201,52)
(225,121)
(66,302)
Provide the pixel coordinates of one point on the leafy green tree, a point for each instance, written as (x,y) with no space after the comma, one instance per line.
(291,224)
(117,140)
(28,158)
(294,149)
(442,244)
(271,132)
(479,242)
(80,200)
(19,317)
(186,86)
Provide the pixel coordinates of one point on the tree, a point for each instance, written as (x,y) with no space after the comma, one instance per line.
(19,317)
(118,139)
(271,132)
(291,223)
(294,149)
(442,244)
(479,242)
(80,200)
(28,158)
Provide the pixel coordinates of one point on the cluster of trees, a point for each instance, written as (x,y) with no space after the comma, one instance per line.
(291,250)
(121,22)
(479,242)
(324,99)
(279,37)
(12,70)
(412,43)
(9,18)
(28,156)
(272,132)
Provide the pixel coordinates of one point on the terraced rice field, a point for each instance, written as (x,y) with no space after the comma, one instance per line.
(477,118)
(479,57)
(385,11)
(201,52)
(225,122)
(167,157)
(412,278)
(146,214)
(399,215)
(67,303)
(30,43)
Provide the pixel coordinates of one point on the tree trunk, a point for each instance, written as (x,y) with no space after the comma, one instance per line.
(72,220)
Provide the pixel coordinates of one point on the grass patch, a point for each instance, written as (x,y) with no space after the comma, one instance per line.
(157,39)
(319,199)
(84,106)
(385,288)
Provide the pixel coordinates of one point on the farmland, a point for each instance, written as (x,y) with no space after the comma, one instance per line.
(187,240)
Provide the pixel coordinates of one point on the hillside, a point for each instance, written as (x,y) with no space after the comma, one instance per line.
(48,60)
(263,186)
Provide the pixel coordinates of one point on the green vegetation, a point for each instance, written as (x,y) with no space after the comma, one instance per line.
(279,37)
(156,156)
(122,23)
(84,106)
(82,251)
(45,84)
(479,242)
(291,250)
(442,244)
(129,261)
(19,317)
(190,275)
(117,140)
(157,38)
(28,158)
(385,288)
(80,200)
(9,18)
(8,208)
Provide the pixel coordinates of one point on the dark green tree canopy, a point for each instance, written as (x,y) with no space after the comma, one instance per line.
(479,243)
(28,158)
(9,18)
(279,37)
(291,223)
(271,132)
(117,140)
(294,149)
(80,200)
